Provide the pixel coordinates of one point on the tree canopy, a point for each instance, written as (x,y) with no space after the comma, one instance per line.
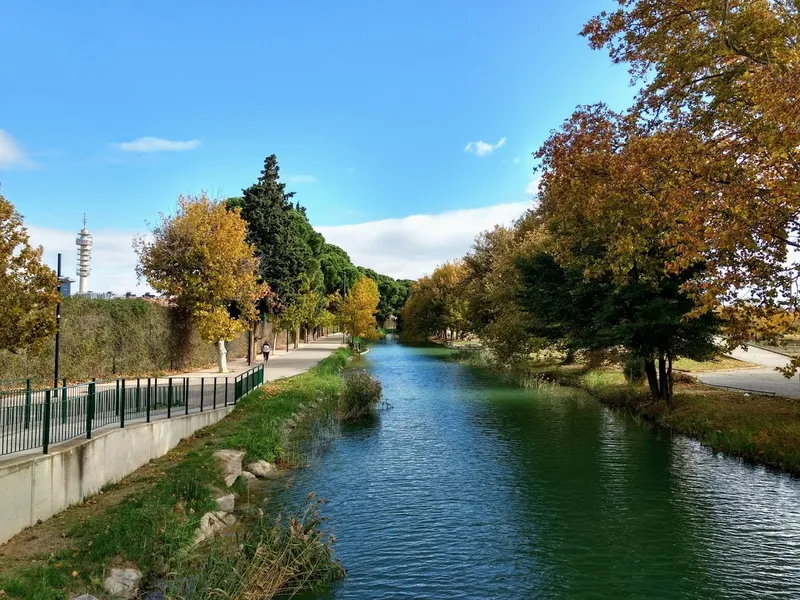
(201,259)
(29,297)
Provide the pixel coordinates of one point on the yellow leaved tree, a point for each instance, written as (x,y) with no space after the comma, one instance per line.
(359,307)
(201,260)
(29,293)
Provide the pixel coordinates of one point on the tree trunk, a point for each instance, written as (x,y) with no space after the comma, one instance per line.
(668,383)
(652,377)
(570,357)
(662,376)
(222,356)
(297,338)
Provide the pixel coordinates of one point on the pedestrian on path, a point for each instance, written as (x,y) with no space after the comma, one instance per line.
(265,351)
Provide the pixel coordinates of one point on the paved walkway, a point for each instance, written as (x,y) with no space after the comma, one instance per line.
(281,363)
(762,379)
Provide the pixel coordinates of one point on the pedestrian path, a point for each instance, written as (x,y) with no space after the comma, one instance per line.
(281,363)
(763,379)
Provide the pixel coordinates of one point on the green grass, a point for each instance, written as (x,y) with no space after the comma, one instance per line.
(154,526)
(719,363)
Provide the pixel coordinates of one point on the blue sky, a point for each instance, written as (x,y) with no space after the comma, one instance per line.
(368,105)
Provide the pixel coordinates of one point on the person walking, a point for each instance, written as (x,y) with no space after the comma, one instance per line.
(265,351)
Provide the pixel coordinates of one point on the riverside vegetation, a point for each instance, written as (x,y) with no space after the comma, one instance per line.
(151,518)
(759,429)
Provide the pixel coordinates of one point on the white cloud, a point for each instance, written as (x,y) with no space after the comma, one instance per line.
(11,155)
(301,179)
(113,259)
(532,189)
(516,160)
(154,144)
(415,245)
(482,148)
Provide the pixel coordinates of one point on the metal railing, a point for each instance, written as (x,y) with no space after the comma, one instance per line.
(37,418)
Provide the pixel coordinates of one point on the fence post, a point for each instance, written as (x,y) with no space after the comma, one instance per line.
(169,399)
(27,403)
(122,407)
(236,389)
(214,401)
(116,399)
(138,395)
(46,422)
(186,381)
(226,390)
(202,384)
(64,400)
(90,409)
(147,400)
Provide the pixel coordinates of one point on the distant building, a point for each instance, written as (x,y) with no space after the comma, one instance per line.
(84,243)
(390,322)
(66,287)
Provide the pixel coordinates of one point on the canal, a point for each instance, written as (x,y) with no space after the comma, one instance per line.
(467,488)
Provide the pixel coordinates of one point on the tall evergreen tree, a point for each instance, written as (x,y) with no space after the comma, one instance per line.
(276,233)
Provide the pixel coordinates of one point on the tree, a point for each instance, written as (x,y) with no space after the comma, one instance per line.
(492,288)
(277,234)
(29,287)
(359,308)
(725,75)
(200,258)
(614,200)
(647,317)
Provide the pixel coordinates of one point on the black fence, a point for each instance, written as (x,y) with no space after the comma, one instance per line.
(37,418)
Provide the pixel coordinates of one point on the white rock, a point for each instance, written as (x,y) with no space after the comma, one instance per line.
(230,461)
(226,503)
(123,583)
(84,597)
(247,476)
(211,524)
(260,468)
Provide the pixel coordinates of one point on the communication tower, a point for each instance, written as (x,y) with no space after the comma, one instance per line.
(84,243)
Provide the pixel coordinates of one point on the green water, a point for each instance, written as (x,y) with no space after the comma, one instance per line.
(465,488)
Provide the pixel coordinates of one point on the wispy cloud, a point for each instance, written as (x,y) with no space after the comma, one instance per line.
(412,246)
(12,156)
(516,160)
(482,148)
(301,179)
(154,144)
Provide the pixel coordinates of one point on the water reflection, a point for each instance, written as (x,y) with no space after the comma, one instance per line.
(470,489)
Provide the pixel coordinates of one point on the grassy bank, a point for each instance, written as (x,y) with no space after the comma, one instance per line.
(150,518)
(759,429)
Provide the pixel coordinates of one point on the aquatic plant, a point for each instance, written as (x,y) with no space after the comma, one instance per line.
(360,395)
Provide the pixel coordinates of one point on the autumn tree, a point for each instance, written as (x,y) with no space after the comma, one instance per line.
(200,258)
(29,288)
(359,307)
(613,199)
(724,76)
(492,290)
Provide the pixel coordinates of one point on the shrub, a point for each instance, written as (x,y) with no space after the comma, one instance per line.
(634,370)
(360,395)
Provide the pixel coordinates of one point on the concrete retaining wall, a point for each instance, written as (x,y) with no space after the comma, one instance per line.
(38,486)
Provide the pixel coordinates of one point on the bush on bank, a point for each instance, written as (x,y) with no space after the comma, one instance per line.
(101,338)
(360,395)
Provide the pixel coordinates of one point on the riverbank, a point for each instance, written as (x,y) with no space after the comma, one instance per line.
(151,518)
(759,429)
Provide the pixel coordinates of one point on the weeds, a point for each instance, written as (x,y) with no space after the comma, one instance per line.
(283,556)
